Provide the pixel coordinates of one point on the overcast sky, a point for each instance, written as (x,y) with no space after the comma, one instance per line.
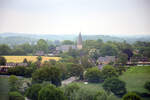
(108,17)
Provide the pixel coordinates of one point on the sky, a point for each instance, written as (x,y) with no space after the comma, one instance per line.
(107,17)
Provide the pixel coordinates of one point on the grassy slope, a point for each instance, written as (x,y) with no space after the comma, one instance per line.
(135,78)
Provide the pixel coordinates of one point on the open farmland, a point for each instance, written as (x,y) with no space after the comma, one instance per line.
(18,59)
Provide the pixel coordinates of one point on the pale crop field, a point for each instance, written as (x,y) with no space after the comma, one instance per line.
(18,59)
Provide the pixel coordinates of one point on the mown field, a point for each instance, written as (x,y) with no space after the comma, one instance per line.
(18,59)
(134,77)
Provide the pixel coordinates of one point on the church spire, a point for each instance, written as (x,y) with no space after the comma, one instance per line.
(79,41)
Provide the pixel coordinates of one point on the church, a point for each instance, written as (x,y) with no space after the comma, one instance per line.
(78,46)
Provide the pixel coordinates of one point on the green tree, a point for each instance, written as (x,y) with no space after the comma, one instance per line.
(67,42)
(85,62)
(115,85)
(122,58)
(75,69)
(13,83)
(101,95)
(42,45)
(15,96)
(32,92)
(4,49)
(50,92)
(50,74)
(70,89)
(109,72)
(108,50)
(94,75)
(2,60)
(131,96)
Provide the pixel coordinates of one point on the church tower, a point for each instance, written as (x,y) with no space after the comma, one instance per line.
(79,42)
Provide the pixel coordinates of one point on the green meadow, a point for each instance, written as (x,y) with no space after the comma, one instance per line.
(134,77)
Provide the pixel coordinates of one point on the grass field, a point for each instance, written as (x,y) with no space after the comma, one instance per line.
(134,77)
(18,59)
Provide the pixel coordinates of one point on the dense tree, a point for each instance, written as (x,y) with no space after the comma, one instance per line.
(108,50)
(70,89)
(122,59)
(94,75)
(42,45)
(50,74)
(115,85)
(67,42)
(15,96)
(13,83)
(18,51)
(109,72)
(50,92)
(32,92)
(2,60)
(86,62)
(75,69)
(4,49)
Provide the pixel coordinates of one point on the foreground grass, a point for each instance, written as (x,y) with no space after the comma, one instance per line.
(18,59)
(4,88)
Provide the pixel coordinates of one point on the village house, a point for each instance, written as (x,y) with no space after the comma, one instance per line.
(39,53)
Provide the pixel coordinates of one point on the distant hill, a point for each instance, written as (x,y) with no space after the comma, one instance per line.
(20,38)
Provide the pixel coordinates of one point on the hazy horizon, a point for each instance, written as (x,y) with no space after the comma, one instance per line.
(98,17)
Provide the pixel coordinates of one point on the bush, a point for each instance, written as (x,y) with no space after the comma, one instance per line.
(101,96)
(115,85)
(70,89)
(109,72)
(13,83)
(147,85)
(131,96)
(15,96)
(2,60)
(84,94)
(94,75)
(32,92)
(50,92)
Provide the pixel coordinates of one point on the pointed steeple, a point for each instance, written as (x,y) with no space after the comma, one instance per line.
(79,41)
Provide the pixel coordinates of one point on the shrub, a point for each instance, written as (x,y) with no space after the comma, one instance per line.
(2,60)
(13,83)
(84,94)
(147,85)
(101,96)
(70,89)
(50,92)
(131,96)
(15,96)
(109,72)
(32,92)
(115,85)
(94,75)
